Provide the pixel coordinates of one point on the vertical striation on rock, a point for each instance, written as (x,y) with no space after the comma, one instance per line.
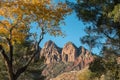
(51,52)
(69,52)
(84,59)
(68,58)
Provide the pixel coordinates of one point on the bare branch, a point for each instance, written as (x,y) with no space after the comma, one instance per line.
(3,54)
(22,69)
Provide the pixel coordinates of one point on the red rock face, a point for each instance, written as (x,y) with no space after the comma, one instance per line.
(84,59)
(51,52)
(69,53)
(78,58)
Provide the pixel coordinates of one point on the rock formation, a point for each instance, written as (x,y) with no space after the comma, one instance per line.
(69,53)
(68,58)
(51,52)
(84,58)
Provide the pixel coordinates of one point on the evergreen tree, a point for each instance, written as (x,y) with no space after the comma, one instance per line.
(103,16)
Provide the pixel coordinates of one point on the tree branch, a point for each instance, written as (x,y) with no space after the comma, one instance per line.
(9,41)
(3,54)
(8,65)
(22,69)
(108,36)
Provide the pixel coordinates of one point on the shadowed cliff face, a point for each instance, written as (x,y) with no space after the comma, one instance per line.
(84,59)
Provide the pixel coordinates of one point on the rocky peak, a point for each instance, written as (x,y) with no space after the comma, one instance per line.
(84,58)
(49,43)
(69,52)
(66,59)
(51,52)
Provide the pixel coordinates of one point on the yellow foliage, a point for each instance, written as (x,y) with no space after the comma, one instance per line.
(17,34)
(1,12)
(18,14)
(3,30)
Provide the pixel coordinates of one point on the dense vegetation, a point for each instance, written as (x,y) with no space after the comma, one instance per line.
(103,17)
(18,46)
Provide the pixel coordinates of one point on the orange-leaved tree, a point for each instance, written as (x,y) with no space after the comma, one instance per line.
(17,15)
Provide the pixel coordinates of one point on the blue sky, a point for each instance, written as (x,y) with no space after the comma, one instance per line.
(74,30)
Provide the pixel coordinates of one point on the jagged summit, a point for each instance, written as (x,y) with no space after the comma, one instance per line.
(66,59)
(69,53)
(49,43)
(70,43)
(51,52)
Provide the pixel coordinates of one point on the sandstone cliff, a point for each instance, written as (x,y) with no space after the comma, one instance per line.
(69,58)
(51,52)
(84,58)
(69,52)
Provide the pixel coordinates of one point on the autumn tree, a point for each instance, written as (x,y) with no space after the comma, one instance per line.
(15,26)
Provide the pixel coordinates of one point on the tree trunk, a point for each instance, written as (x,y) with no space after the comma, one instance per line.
(7,64)
(9,69)
(12,76)
(9,59)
